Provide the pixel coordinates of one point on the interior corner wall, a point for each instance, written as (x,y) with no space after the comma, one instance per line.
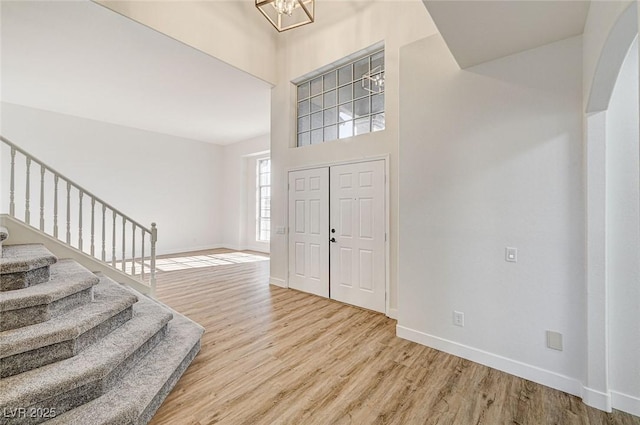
(491,157)
(149,176)
(342,28)
(232,31)
(623,235)
(239,193)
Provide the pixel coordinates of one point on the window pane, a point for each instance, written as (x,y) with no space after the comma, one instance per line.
(345,93)
(316,136)
(362,107)
(344,75)
(346,112)
(330,98)
(303,107)
(330,133)
(316,120)
(303,91)
(359,90)
(316,86)
(346,129)
(363,125)
(377,60)
(377,103)
(377,122)
(304,139)
(303,124)
(361,67)
(316,104)
(330,81)
(330,116)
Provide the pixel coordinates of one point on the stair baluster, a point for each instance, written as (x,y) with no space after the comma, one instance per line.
(147,277)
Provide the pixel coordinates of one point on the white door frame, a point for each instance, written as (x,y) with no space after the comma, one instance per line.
(387,241)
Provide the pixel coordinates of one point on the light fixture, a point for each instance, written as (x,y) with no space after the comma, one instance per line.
(287,14)
(373,81)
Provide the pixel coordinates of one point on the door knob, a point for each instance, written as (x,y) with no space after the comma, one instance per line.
(333,230)
(332,240)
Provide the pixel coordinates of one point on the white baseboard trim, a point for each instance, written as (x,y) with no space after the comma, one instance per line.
(513,367)
(277,282)
(173,251)
(596,399)
(393,313)
(625,402)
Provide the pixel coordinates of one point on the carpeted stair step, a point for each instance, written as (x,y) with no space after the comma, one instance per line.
(64,385)
(22,266)
(4,234)
(135,399)
(70,286)
(65,336)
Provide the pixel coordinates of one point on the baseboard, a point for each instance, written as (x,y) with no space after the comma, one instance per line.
(513,367)
(277,282)
(626,403)
(174,251)
(596,399)
(393,313)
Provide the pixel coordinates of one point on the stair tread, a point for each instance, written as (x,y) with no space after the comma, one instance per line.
(22,258)
(129,398)
(67,277)
(110,299)
(92,364)
(4,233)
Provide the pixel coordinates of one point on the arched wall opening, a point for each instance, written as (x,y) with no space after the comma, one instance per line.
(612,207)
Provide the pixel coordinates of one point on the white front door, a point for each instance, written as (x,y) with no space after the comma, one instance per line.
(357,221)
(309,231)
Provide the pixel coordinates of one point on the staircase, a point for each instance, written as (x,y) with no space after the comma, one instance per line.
(78,348)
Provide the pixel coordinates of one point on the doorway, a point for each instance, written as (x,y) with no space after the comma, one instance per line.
(337,233)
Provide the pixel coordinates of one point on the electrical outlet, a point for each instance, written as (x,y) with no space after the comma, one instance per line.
(554,340)
(458,318)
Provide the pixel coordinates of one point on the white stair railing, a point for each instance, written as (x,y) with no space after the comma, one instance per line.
(115,239)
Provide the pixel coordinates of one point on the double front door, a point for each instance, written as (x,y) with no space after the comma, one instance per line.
(337,225)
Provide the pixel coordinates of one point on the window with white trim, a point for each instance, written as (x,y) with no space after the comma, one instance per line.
(263,210)
(346,101)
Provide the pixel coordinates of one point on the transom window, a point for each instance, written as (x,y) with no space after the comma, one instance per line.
(264,200)
(346,101)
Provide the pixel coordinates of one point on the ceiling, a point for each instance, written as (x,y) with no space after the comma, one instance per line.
(81,59)
(478,31)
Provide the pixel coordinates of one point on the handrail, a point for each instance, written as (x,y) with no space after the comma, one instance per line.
(125,219)
(62,176)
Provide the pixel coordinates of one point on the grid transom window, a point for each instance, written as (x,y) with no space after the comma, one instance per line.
(264,200)
(343,102)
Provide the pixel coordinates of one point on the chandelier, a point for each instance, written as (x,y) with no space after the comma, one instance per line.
(287,14)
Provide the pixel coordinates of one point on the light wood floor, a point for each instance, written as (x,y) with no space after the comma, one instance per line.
(278,356)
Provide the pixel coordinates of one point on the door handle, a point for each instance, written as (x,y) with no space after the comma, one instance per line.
(332,240)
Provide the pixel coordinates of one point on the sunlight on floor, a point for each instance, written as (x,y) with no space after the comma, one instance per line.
(196,261)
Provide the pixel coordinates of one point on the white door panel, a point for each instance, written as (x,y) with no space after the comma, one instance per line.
(309,231)
(357,214)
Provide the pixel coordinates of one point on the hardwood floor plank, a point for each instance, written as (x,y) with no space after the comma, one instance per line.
(277,356)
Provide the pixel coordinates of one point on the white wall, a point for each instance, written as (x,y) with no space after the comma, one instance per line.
(239,193)
(341,28)
(232,31)
(491,157)
(623,231)
(149,176)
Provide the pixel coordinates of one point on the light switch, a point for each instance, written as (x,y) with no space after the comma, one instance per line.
(280,230)
(511,254)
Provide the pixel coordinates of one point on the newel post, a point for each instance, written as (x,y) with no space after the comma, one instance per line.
(154,239)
